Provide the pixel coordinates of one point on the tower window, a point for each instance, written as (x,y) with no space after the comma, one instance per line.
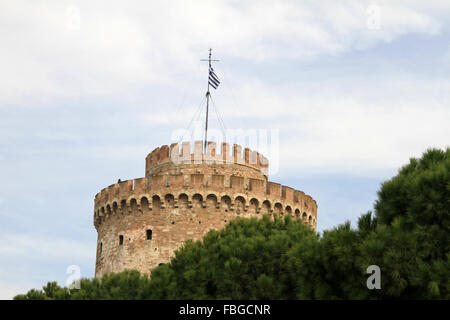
(101,247)
(149,234)
(120,240)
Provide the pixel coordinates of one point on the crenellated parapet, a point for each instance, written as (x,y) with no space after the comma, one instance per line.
(140,192)
(184,194)
(181,154)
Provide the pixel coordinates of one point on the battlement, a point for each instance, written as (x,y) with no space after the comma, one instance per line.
(184,194)
(181,154)
(279,198)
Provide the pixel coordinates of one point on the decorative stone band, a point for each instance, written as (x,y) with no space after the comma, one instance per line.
(183,155)
(137,195)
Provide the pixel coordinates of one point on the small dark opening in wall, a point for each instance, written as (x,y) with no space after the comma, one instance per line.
(101,247)
(161,264)
(120,240)
(173,222)
(149,234)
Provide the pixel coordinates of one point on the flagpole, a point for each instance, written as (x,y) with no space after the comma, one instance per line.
(207,102)
(216,82)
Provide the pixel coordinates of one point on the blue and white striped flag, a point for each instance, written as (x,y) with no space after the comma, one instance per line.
(213,79)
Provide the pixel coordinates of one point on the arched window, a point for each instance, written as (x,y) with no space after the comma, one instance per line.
(170,200)
(133,204)
(197,200)
(211,201)
(239,204)
(149,234)
(225,203)
(123,205)
(120,240)
(289,210)
(183,201)
(278,208)
(266,207)
(156,203)
(253,208)
(115,207)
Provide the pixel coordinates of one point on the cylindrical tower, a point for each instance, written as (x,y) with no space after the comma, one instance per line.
(141,222)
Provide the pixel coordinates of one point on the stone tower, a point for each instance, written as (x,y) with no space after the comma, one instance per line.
(141,222)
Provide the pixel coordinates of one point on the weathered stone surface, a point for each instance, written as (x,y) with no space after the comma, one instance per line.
(182,196)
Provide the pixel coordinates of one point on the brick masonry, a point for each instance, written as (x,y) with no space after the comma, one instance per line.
(142,222)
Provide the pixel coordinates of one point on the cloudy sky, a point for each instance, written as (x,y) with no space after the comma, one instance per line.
(88,88)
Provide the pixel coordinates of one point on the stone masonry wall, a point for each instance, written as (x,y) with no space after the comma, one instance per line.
(141,222)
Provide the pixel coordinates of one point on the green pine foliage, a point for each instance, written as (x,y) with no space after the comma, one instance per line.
(274,258)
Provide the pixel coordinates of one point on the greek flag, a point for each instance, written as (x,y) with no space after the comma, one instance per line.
(213,79)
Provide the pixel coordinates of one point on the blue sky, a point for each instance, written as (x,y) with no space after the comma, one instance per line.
(88,88)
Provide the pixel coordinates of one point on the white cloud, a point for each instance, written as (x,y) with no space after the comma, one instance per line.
(8,291)
(38,246)
(446,58)
(364,132)
(22,257)
(119,47)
